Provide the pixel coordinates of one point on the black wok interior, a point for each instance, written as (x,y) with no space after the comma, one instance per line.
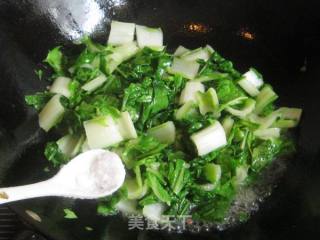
(283,44)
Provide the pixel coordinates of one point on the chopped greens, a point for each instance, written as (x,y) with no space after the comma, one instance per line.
(39,73)
(188,126)
(87,228)
(55,60)
(38,100)
(69,214)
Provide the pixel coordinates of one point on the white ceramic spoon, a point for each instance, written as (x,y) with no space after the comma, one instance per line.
(92,174)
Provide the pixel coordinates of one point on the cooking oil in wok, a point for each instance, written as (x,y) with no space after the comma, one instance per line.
(248,199)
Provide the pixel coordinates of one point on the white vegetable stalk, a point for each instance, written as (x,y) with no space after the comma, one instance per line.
(212,172)
(285,123)
(233,102)
(121,33)
(190,91)
(253,77)
(268,133)
(94,83)
(180,50)
(227,124)
(92,47)
(149,37)
(127,206)
(86,65)
(67,143)
(71,69)
(119,55)
(85,146)
(199,53)
(241,175)
(70,145)
(209,139)
(290,113)
(265,97)
(51,113)
(102,132)
(164,133)
(186,110)
(248,108)
(263,122)
(207,186)
(126,127)
(154,211)
(61,86)
(208,101)
(244,139)
(96,62)
(187,69)
(134,190)
(282,118)
(78,146)
(251,82)
(210,77)
(105,131)
(209,49)
(248,87)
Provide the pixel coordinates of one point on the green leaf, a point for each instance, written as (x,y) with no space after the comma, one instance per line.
(105,209)
(264,153)
(54,154)
(144,101)
(85,57)
(247,108)
(208,101)
(69,214)
(85,74)
(145,64)
(55,60)
(267,110)
(76,94)
(212,172)
(39,73)
(135,96)
(106,206)
(91,46)
(265,98)
(160,98)
(99,105)
(71,123)
(209,73)
(149,199)
(113,85)
(87,228)
(158,189)
(144,148)
(214,211)
(164,62)
(178,175)
(38,100)
(228,90)
(180,206)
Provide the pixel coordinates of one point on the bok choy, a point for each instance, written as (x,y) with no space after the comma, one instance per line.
(190,128)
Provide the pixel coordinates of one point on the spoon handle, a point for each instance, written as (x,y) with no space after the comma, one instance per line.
(40,189)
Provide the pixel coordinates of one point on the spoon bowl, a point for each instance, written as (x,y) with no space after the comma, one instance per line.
(93,174)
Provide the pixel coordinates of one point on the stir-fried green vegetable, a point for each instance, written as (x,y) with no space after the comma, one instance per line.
(188,126)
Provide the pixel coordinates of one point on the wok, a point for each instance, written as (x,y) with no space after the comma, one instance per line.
(280,38)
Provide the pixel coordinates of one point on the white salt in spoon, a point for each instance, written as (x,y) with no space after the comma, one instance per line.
(92,174)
